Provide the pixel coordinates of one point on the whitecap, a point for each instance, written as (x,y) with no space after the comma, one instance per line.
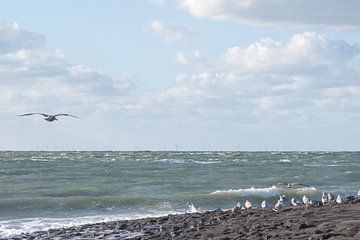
(185,161)
(266,192)
(285,160)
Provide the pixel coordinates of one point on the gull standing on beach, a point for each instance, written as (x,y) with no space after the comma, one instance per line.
(49,117)
(236,208)
(279,204)
(263,204)
(324,198)
(247,204)
(330,197)
(306,200)
(338,199)
(293,202)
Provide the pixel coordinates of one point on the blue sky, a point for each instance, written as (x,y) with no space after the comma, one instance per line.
(180,74)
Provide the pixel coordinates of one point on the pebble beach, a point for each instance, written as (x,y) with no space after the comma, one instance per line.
(331,221)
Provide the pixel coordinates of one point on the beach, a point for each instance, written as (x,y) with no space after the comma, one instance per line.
(77,191)
(332,221)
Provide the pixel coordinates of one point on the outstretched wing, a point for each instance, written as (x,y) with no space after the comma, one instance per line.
(28,114)
(65,114)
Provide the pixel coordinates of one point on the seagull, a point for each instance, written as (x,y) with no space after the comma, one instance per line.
(279,204)
(330,197)
(306,200)
(293,202)
(248,204)
(338,199)
(324,198)
(237,208)
(263,204)
(49,117)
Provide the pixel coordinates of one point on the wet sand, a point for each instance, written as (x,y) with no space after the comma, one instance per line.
(333,221)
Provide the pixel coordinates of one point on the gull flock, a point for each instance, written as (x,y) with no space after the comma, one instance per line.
(326,199)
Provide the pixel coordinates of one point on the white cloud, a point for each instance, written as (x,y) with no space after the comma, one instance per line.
(13,38)
(169,32)
(330,13)
(159,3)
(36,78)
(195,59)
(269,81)
(306,52)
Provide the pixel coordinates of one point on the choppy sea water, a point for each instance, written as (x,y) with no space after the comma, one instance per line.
(42,190)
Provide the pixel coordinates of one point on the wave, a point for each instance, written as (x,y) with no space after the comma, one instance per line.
(285,160)
(265,192)
(185,161)
(331,165)
(11,228)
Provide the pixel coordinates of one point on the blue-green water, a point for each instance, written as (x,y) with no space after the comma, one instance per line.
(39,190)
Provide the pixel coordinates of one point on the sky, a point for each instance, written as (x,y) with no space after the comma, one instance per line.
(244,75)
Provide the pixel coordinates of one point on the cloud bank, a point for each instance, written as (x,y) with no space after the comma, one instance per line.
(307,78)
(330,13)
(33,78)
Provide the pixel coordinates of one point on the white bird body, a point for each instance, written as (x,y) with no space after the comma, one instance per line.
(330,197)
(247,204)
(306,200)
(338,199)
(263,204)
(324,198)
(293,202)
(279,204)
(48,117)
(236,208)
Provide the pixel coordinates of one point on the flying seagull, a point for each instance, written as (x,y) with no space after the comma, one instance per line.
(49,117)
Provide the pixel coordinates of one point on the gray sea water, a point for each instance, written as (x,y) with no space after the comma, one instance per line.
(42,190)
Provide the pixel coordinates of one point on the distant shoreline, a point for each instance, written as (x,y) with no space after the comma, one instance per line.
(333,221)
(200,151)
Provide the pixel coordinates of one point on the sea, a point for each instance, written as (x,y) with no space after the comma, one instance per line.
(44,190)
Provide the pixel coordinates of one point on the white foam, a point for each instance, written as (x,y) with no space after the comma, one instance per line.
(18,226)
(185,161)
(304,189)
(285,160)
(266,192)
(331,165)
(192,208)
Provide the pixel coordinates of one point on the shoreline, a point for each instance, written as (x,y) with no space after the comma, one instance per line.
(332,221)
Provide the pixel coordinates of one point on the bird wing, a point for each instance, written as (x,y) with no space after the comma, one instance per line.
(28,114)
(65,114)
